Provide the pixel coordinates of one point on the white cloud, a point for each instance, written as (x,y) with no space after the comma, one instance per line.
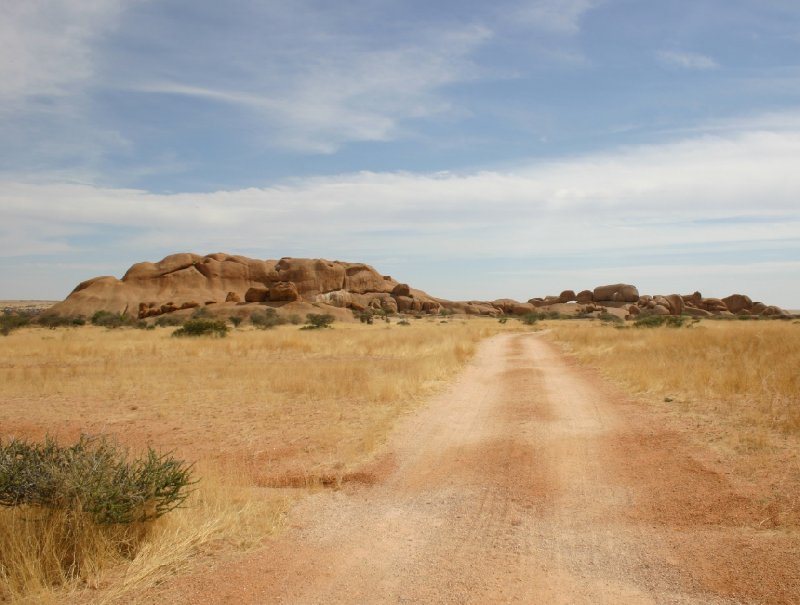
(707,201)
(558,16)
(687,60)
(46,46)
(333,92)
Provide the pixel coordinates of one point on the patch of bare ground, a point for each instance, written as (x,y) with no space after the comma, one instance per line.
(530,480)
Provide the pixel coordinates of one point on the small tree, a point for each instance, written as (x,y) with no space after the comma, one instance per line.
(202,327)
(267,320)
(316,321)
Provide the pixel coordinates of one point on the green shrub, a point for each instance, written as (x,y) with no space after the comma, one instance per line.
(60,321)
(529,318)
(403,322)
(502,319)
(235,320)
(649,321)
(268,319)
(316,321)
(365,317)
(295,319)
(168,321)
(107,319)
(202,327)
(95,477)
(201,313)
(11,321)
(446,312)
(610,318)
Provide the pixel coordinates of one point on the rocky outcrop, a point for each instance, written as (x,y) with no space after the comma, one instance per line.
(223,282)
(184,281)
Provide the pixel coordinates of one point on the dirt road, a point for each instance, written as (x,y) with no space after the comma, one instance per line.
(514,486)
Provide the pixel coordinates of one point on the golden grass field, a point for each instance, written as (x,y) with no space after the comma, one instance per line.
(746,372)
(262,413)
(732,387)
(257,412)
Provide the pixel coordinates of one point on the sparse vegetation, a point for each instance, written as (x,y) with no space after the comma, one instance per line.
(744,372)
(49,320)
(93,477)
(168,320)
(107,319)
(267,319)
(202,327)
(529,319)
(316,321)
(72,510)
(11,321)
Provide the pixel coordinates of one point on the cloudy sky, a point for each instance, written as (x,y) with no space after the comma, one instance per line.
(512,148)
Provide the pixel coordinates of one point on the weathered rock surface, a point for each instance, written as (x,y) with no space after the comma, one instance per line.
(181,282)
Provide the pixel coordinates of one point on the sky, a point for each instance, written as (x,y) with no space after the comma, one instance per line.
(475,150)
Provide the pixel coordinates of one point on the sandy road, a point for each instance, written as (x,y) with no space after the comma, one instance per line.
(504,489)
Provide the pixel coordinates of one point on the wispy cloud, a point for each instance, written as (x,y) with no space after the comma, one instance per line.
(687,60)
(558,16)
(46,46)
(680,196)
(337,88)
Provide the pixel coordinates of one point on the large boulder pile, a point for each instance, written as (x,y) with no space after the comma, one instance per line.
(186,281)
(624,300)
(182,282)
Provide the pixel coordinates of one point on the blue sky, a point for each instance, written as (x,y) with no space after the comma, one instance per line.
(476,150)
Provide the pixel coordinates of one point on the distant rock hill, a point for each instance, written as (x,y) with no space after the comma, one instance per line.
(221,282)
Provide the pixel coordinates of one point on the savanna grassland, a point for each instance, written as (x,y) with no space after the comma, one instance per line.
(260,413)
(733,387)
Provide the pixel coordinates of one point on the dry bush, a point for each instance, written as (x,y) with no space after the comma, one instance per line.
(747,371)
(248,408)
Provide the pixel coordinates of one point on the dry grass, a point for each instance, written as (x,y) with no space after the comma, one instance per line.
(250,409)
(746,372)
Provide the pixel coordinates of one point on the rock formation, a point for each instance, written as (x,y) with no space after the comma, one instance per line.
(186,281)
(221,282)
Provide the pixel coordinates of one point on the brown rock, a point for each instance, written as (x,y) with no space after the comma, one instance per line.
(714,305)
(401,290)
(674,304)
(567,296)
(256,294)
(389,305)
(695,312)
(737,302)
(758,308)
(634,310)
(585,296)
(233,297)
(404,303)
(616,293)
(283,291)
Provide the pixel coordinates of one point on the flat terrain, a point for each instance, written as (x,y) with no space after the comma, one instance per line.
(529,481)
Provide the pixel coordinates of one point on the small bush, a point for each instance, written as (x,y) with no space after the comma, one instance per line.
(295,319)
(60,321)
(610,318)
(202,327)
(502,319)
(267,320)
(11,321)
(403,322)
(446,312)
(164,321)
(201,313)
(649,321)
(365,317)
(529,319)
(235,320)
(94,476)
(316,321)
(107,319)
